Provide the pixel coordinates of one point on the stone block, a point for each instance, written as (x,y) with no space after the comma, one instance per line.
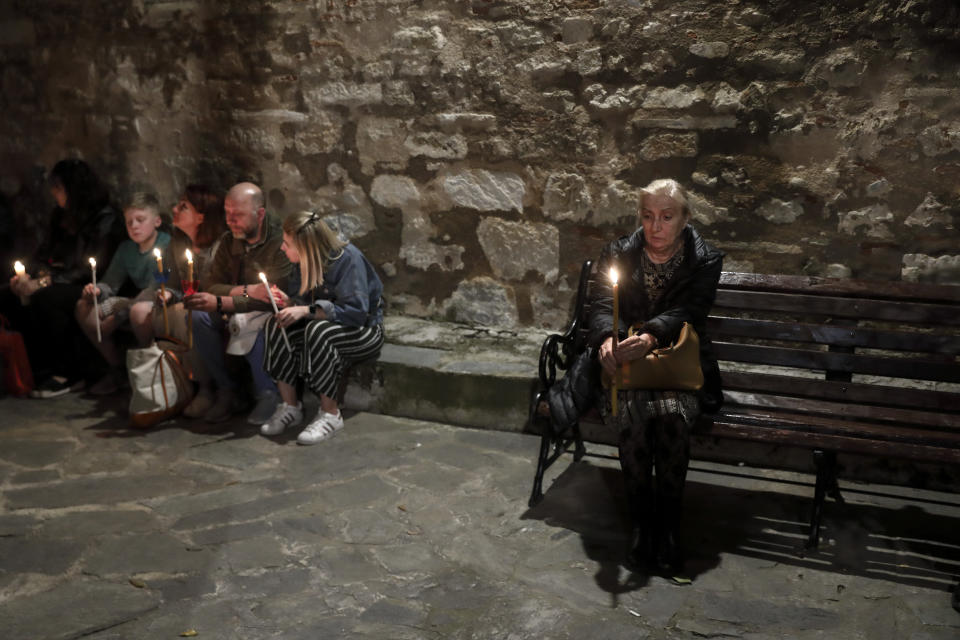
(618,201)
(397,93)
(777,61)
(431,38)
(433,144)
(682,97)
(873,219)
(726,99)
(518,35)
(840,69)
(485,190)
(348,94)
(396,192)
(643,121)
(483,301)
(780,212)
(566,197)
(710,50)
(940,139)
(576,29)
(918,267)
(588,62)
(451,122)
(380,142)
(931,212)
(515,248)
(669,145)
(620,101)
(705,213)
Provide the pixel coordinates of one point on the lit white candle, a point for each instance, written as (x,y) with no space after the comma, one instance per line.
(616,337)
(190,290)
(163,290)
(263,278)
(18,268)
(96,305)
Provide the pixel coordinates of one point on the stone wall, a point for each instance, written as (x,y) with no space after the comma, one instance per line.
(479,150)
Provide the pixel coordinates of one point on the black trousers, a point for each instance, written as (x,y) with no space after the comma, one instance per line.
(658,444)
(53,339)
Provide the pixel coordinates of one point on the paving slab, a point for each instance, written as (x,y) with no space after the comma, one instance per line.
(399,528)
(74,609)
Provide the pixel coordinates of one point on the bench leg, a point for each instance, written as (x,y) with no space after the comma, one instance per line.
(542,463)
(579,450)
(826,463)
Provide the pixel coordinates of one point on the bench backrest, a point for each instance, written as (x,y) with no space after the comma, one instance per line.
(882,353)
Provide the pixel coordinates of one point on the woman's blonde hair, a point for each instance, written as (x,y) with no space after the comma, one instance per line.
(316,243)
(669,188)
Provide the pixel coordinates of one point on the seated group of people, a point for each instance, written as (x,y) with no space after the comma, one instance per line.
(330,314)
(196,279)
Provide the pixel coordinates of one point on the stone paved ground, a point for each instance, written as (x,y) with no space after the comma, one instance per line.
(405,529)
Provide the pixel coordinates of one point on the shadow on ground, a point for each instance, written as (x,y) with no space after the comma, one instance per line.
(907,545)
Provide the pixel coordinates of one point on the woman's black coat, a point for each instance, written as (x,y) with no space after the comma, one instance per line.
(688,297)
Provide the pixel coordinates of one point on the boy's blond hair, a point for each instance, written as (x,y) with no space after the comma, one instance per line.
(143,201)
(316,243)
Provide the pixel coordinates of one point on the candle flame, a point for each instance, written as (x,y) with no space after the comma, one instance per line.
(263,277)
(613,275)
(93,262)
(156,252)
(189,256)
(19,268)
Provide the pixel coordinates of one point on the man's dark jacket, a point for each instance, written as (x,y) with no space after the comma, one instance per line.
(688,297)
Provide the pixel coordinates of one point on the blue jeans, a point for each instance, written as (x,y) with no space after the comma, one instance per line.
(207,329)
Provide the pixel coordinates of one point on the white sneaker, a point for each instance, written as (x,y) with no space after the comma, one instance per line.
(322,427)
(285,416)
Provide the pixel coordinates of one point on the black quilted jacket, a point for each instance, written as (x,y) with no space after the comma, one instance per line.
(688,298)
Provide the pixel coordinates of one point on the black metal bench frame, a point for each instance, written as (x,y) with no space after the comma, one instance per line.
(830,330)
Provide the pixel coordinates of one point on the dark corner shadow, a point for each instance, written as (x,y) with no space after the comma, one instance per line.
(908,545)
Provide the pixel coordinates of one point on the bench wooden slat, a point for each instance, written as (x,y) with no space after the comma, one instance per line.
(897,291)
(879,395)
(912,368)
(860,411)
(915,312)
(804,424)
(721,326)
(728,429)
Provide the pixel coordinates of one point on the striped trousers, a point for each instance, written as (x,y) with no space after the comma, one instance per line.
(321,350)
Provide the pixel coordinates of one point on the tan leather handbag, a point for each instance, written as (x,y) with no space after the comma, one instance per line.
(676,367)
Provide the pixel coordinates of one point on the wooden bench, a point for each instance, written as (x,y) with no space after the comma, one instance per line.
(835,366)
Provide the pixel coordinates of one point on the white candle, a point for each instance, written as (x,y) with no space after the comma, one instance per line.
(191,291)
(18,268)
(263,277)
(96,305)
(163,290)
(616,336)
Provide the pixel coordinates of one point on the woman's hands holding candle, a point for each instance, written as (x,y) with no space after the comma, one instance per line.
(290,315)
(633,348)
(259,292)
(90,292)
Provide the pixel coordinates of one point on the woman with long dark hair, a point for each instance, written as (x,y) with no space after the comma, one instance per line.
(83,225)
